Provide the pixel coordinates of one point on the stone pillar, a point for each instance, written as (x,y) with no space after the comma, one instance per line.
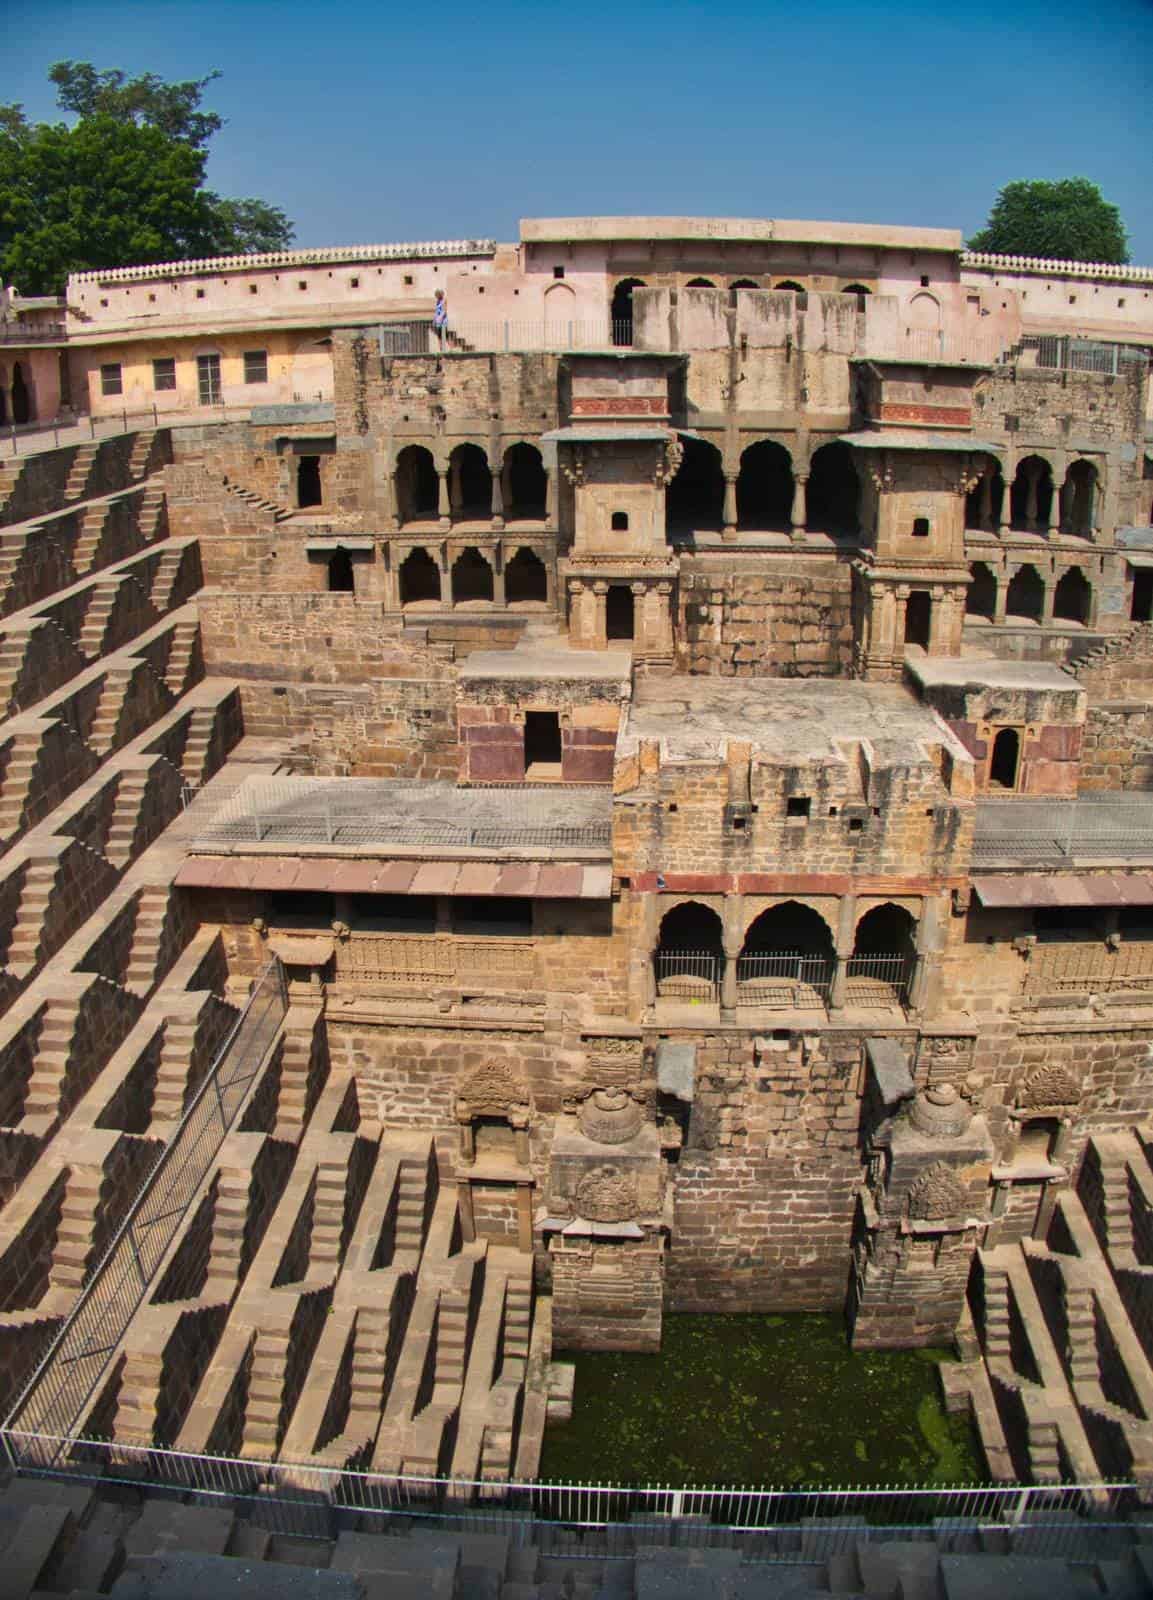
(1047,602)
(498,594)
(1054,524)
(729,514)
(389,503)
(550,499)
(599,603)
(1032,483)
(391,576)
(734,933)
(497,500)
(1001,596)
(524,1218)
(800,511)
(899,622)
(443,501)
(938,621)
(663,640)
(454,498)
(985,511)
(927,945)
(1005,521)
(846,935)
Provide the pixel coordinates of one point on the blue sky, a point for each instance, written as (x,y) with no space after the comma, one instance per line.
(386,121)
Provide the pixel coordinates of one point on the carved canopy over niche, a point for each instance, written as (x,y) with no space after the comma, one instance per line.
(1049,1086)
(937,1194)
(494,1090)
(606,1194)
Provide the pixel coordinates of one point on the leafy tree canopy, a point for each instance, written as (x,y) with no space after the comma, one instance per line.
(1067,220)
(122,186)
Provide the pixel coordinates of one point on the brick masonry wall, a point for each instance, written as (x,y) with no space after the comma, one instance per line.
(765,616)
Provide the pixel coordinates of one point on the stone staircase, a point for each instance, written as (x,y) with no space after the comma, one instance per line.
(142,447)
(1065,1325)
(50,1069)
(324,1250)
(147,938)
(164,577)
(265,1394)
(76,1232)
(26,944)
(80,471)
(229,1223)
(19,771)
(131,790)
(196,747)
(103,735)
(104,595)
(257,502)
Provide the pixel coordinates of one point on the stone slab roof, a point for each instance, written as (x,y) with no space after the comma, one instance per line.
(553,661)
(918,439)
(1065,889)
(528,880)
(789,721)
(988,672)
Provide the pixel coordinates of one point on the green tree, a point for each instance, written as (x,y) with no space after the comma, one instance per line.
(122,186)
(1067,220)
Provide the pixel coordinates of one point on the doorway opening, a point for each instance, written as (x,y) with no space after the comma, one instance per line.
(542,741)
(918,618)
(1006,755)
(308,491)
(620,612)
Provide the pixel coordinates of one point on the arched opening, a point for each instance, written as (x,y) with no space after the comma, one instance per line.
(308,486)
(983,502)
(880,968)
(918,618)
(1025,596)
(981,597)
(4,398)
(621,314)
(620,612)
(833,491)
(1141,600)
(470,484)
(700,283)
(690,954)
(1031,496)
(786,959)
(924,312)
(859,291)
(416,485)
(21,397)
(341,578)
(1079,499)
(524,484)
(471,578)
(741,283)
(765,488)
(1003,762)
(419,579)
(525,579)
(1073,596)
(695,497)
(792,286)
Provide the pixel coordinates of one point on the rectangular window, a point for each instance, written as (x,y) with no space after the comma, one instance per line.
(164,372)
(208,380)
(111,381)
(256,366)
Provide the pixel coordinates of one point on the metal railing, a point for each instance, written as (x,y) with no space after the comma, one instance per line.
(1064,352)
(783,978)
(598,1521)
(689,974)
(30,333)
(25,438)
(877,979)
(934,344)
(465,335)
(1092,827)
(62,1386)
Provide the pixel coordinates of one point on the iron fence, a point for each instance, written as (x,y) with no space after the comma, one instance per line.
(783,978)
(63,1384)
(1063,352)
(877,979)
(468,334)
(31,333)
(1083,1522)
(689,974)
(1093,826)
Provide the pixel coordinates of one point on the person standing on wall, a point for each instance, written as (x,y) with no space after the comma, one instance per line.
(440,317)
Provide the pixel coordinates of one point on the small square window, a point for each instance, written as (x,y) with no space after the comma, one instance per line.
(856,824)
(558,272)
(200,294)
(103,302)
(256,366)
(408,280)
(354,283)
(920,527)
(1072,299)
(620,522)
(924,280)
(152,298)
(253,288)
(111,380)
(798,805)
(302,283)
(164,372)
(1121,304)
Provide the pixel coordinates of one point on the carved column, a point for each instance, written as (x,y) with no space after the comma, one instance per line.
(1032,484)
(985,512)
(498,593)
(733,940)
(800,512)
(497,489)
(1047,602)
(1054,524)
(902,597)
(443,500)
(729,514)
(1001,596)
(550,499)
(663,641)
(846,936)
(1005,520)
(599,599)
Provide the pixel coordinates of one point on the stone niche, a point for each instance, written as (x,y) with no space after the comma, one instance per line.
(604,1224)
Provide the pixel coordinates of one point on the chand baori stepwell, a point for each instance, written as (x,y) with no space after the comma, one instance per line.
(670,759)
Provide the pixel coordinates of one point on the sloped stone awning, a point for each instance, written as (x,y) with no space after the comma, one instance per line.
(1083,889)
(301,952)
(523,879)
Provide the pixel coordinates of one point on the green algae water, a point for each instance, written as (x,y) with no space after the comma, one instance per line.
(760,1400)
